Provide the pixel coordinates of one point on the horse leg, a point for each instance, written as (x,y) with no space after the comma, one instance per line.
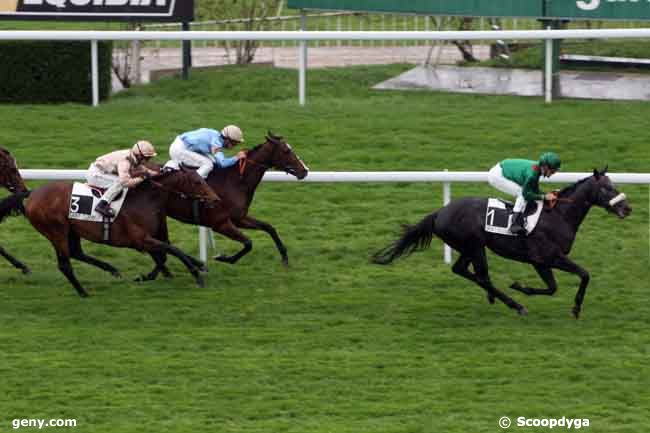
(76,252)
(546,274)
(228,229)
(461,267)
(249,222)
(14,261)
(479,261)
(66,268)
(154,246)
(563,263)
(159,258)
(59,240)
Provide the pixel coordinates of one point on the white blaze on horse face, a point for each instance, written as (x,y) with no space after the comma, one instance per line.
(300,160)
(619,198)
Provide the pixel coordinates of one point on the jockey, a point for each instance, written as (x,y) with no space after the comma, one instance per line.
(114,171)
(203,148)
(520,178)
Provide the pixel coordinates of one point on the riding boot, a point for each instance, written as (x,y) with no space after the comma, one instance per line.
(104,208)
(517,227)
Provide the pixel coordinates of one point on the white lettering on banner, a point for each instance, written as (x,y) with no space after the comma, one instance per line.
(588,5)
(108,3)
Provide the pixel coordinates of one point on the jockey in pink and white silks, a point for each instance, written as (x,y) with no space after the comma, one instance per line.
(113,171)
(203,148)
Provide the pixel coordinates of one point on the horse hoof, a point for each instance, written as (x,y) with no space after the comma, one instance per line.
(523,311)
(576,312)
(26,270)
(83,294)
(203,268)
(515,286)
(116,275)
(142,279)
(490,299)
(200,282)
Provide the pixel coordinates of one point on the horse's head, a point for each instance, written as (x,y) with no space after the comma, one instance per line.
(9,175)
(279,154)
(186,182)
(603,193)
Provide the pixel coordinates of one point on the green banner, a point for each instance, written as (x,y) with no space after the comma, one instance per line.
(570,9)
(485,8)
(600,9)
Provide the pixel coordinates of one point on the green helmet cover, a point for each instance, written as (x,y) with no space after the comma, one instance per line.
(551,159)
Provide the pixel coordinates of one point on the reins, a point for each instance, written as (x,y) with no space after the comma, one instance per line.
(245,161)
(182,195)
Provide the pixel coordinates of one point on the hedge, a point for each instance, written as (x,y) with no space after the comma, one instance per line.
(51,72)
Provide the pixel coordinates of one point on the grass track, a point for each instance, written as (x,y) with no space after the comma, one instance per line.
(333,343)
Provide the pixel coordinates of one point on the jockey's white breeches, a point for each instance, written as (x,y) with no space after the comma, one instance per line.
(497,180)
(111,182)
(179,153)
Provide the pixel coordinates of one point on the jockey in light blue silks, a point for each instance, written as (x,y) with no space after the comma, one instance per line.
(520,179)
(203,148)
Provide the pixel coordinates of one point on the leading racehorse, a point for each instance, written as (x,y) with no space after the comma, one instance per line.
(236,187)
(460,224)
(141,224)
(10,179)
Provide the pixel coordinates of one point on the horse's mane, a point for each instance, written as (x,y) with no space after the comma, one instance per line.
(269,137)
(567,190)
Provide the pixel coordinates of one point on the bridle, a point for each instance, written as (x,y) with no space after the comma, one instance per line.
(245,161)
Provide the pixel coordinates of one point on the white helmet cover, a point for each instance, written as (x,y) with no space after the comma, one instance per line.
(144,148)
(233,132)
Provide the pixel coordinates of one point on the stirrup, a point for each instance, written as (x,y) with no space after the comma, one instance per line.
(518,230)
(105,210)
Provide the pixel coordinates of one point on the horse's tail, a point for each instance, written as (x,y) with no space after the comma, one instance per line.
(13,205)
(414,238)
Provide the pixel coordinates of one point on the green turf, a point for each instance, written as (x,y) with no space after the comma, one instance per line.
(332,344)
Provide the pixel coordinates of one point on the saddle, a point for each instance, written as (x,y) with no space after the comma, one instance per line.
(499,216)
(85,197)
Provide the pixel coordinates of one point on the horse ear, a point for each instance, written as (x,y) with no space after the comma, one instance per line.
(604,172)
(596,173)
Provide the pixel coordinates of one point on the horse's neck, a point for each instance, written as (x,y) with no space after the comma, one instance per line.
(576,207)
(254,171)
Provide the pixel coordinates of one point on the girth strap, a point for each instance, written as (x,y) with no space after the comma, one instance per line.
(196,215)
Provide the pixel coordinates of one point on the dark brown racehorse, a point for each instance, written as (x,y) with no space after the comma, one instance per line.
(236,187)
(140,225)
(10,178)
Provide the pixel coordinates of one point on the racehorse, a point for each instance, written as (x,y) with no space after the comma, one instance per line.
(236,187)
(10,179)
(140,225)
(460,225)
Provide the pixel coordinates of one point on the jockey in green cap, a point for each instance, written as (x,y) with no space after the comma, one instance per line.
(520,178)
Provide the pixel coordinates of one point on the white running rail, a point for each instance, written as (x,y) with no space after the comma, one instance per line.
(445,177)
(303,36)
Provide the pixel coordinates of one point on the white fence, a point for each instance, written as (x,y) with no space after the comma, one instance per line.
(304,36)
(444,177)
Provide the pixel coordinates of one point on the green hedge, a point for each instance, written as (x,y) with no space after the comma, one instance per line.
(49,72)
